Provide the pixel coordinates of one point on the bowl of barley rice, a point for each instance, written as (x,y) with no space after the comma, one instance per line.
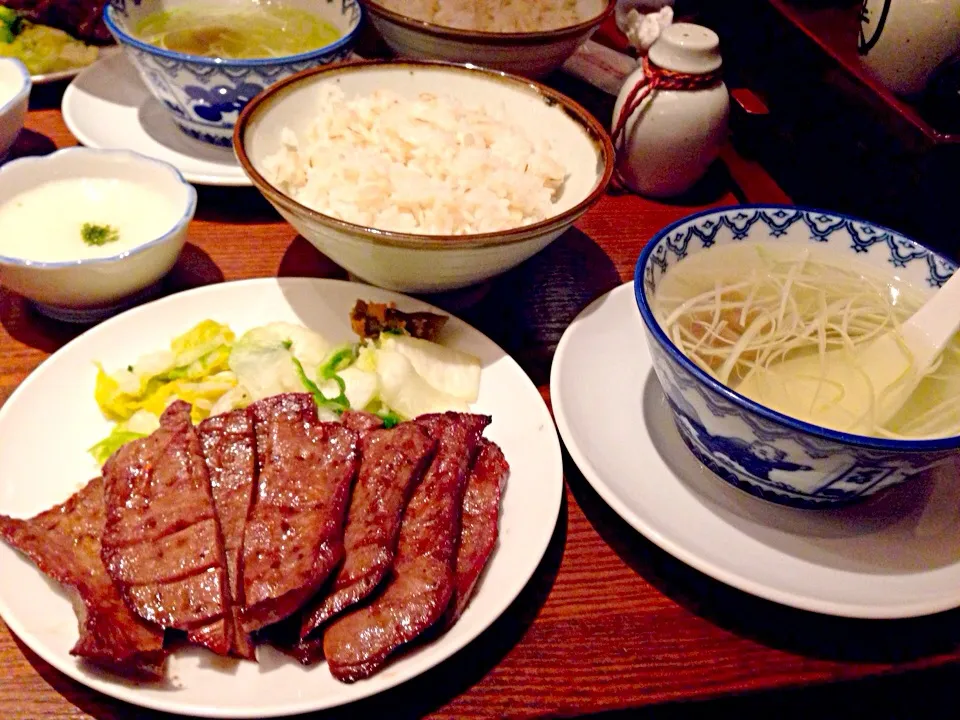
(527,37)
(423,176)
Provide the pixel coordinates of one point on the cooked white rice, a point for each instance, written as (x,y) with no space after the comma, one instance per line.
(432,166)
(492,15)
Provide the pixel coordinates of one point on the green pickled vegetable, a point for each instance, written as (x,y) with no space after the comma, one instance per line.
(41,48)
(336,404)
(113,442)
(11,24)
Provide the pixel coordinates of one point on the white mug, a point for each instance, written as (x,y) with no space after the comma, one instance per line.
(902,42)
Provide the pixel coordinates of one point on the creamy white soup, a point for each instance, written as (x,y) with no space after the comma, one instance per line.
(81,218)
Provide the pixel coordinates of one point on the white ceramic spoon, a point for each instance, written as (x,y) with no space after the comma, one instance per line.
(858,390)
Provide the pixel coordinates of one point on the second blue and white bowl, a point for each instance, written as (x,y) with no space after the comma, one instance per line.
(205,95)
(761,451)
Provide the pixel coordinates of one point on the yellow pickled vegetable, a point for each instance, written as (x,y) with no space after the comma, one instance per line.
(195,369)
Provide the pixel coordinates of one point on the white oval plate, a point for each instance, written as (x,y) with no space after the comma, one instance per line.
(107,106)
(894,556)
(52,418)
(44,78)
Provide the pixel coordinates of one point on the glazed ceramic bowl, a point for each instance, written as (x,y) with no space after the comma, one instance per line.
(205,95)
(15,86)
(532,54)
(89,289)
(758,450)
(428,263)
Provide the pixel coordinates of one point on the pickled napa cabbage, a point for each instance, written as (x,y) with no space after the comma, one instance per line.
(394,376)
(41,48)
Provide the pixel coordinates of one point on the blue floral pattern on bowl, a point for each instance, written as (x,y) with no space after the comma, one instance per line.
(206,95)
(753,448)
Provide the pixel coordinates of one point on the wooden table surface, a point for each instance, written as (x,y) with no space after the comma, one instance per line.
(608,621)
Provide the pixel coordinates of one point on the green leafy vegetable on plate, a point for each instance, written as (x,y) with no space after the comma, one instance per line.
(10,24)
(41,48)
(394,376)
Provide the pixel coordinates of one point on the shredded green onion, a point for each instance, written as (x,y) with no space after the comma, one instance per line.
(738,315)
(339,359)
(99,234)
(337,404)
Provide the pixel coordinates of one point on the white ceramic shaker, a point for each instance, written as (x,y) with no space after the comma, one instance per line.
(672,138)
(902,42)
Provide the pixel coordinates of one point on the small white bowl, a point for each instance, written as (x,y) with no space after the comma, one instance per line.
(90,289)
(531,54)
(429,263)
(15,86)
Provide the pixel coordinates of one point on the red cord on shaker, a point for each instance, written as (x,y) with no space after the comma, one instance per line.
(672,114)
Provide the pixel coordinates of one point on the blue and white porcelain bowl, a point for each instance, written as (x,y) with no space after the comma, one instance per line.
(756,449)
(205,95)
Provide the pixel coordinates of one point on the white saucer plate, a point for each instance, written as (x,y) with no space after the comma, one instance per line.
(52,418)
(894,556)
(107,106)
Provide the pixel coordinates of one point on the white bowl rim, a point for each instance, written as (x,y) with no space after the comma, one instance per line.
(184,220)
(487,37)
(25,88)
(128,39)
(751,406)
(576,112)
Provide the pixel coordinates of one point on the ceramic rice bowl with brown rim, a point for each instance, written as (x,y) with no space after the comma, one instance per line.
(531,54)
(411,261)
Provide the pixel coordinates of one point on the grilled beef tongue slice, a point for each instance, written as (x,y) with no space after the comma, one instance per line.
(393,462)
(422,580)
(480,523)
(162,543)
(294,537)
(306,652)
(64,542)
(361,422)
(285,637)
(230,448)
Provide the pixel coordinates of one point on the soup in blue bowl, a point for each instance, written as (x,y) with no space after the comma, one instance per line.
(728,293)
(204,60)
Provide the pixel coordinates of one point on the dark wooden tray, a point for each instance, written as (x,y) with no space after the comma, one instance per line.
(834,29)
(832,139)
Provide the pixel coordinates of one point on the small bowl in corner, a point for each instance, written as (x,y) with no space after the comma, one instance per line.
(15,87)
(530,54)
(750,446)
(87,289)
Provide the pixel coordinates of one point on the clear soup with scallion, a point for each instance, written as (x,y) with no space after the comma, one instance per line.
(740,311)
(243,31)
